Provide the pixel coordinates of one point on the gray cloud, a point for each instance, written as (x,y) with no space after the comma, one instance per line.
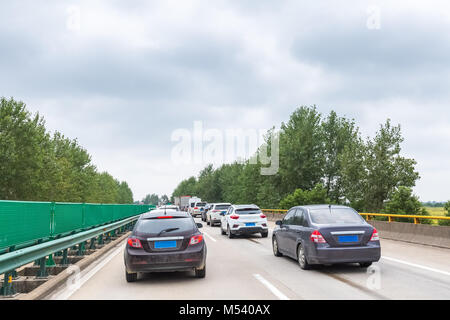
(133,74)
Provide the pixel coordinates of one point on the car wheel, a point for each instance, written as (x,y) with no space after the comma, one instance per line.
(365,264)
(131,277)
(264,234)
(301,257)
(229,233)
(221,229)
(208,222)
(200,273)
(276,252)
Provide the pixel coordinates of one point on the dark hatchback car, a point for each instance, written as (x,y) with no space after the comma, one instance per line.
(324,234)
(164,241)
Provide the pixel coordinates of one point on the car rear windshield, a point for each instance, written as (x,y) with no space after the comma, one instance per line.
(192,205)
(248,211)
(222,207)
(335,216)
(201,204)
(157,225)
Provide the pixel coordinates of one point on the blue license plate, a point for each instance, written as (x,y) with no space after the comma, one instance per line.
(348,238)
(252,224)
(165,244)
(201,209)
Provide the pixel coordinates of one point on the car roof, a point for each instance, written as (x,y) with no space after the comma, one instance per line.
(222,204)
(242,206)
(322,206)
(158,213)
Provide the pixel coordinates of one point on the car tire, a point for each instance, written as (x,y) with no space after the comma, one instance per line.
(301,258)
(276,252)
(264,234)
(131,277)
(221,230)
(229,233)
(365,264)
(200,273)
(208,222)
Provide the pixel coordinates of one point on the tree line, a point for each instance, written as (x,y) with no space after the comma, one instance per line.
(154,199)
(323,159)
(36,165)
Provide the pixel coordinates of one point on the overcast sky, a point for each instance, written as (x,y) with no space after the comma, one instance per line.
(121,76)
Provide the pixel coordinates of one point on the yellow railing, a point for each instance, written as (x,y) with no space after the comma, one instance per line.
(388,215)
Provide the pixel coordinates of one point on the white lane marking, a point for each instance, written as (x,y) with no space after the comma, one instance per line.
(417,265)
(271,287)
(211,238)
(66,294)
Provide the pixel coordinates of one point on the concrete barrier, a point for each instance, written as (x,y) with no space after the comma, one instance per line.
(415,233)
(438,236)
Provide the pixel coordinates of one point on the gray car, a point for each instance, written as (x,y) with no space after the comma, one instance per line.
(326,234)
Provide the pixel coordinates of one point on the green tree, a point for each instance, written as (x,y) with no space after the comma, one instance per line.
(151,199)
(301,150)
(372,170)
(403,201)
(338,132)
(318,195)
(446,222)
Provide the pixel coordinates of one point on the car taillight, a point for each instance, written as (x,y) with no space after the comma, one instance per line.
(233,216)
(263,216)
(165,217)
(134,243)
(196,239)
(375,236)
(316,237)
(196,208)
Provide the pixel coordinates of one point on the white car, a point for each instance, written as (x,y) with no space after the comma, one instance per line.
(198,208)
(216,212)
(244,219)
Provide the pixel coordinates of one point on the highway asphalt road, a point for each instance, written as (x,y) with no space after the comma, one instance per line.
(245,268)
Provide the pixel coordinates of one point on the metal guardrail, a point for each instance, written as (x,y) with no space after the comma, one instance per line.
(368,216)
(38,253)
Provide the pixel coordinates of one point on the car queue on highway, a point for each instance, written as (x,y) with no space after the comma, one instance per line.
(168,239)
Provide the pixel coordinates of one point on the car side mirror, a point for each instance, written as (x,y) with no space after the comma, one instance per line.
(199,225)
(278,222)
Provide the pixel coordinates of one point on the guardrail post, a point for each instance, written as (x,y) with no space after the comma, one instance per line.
(100,239)
(81,248)
(50,262)
(64,260)
(42,273)
(416,221)
(390,218)
(7,289)
(92,246)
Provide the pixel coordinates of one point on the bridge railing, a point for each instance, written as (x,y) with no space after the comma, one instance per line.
(24,223)
(31,231)
(368,216)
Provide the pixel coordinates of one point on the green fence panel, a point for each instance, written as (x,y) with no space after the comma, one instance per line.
(68,217)
(93,215)
(22,222)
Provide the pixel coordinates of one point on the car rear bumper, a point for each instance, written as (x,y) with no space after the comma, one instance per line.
(164,262)
(345,255)
(249,230)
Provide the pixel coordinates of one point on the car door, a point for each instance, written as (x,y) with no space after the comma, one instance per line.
(223,220)
(284,228)
(295,233)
